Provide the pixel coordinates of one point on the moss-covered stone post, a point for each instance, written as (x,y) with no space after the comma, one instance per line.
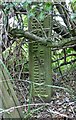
(40,58)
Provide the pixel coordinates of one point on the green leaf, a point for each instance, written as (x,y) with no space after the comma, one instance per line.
(48,6)
(31,14)
(69,50)
(25,4)
(41,16)
(73,1)
(74,5)
(25,21)
(73,16)
(29,1)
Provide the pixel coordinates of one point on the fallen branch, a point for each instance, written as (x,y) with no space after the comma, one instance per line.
(32,37)
(9,110)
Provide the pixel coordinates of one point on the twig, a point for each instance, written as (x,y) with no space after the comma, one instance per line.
(63,57)
(58,113)
(72,61)
(21,71)
(9,110)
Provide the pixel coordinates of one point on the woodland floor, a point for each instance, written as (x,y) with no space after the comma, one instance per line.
(62,104)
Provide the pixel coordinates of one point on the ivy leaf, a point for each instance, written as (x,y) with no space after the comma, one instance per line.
(29,1)
(48,6)
(73,16)
(69,51)
(25,21)
(73,1)
(41,16)
(74,5)
(31,14)
(25,4)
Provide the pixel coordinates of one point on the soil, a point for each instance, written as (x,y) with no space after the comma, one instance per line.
(62,104)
